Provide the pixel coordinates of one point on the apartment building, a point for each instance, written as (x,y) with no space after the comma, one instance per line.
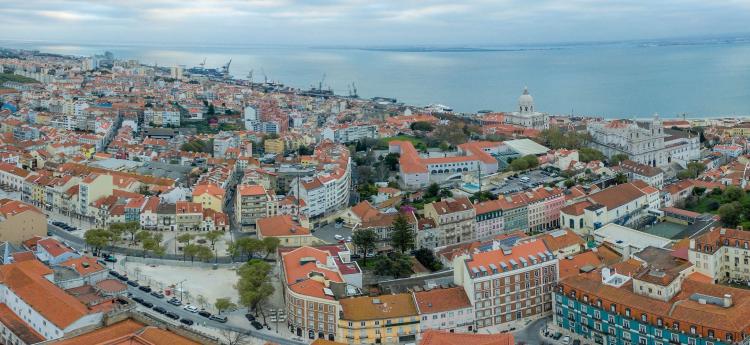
(386,319)
(447,309)
(508,286)
(210,196)
(252,203)
(20,221)
(188,216)
(315,279)
(721,254)
(622,204)
(651,299)
(12,176)
(347,133)
(91,188)
(328,190)
(454,220)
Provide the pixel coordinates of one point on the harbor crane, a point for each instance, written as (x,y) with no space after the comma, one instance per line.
(320,83)
(203,64)
(250,76)
(225,68)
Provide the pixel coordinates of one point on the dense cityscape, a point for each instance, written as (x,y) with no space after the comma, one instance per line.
(147,204)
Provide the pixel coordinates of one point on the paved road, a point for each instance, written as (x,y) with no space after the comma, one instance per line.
(245,329)
(531,334)
(327,232)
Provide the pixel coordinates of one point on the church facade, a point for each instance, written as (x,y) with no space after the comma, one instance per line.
(645,142)
(526,116)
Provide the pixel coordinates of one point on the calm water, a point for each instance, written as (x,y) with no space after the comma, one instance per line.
(633,79)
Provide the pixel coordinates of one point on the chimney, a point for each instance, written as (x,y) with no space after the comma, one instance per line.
(727,301)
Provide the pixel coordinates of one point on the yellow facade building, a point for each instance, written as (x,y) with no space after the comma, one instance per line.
(210,196)
(386,319)
(274,146)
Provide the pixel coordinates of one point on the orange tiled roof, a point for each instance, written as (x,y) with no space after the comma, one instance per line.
(377,308)
(209,188)
(435,337)
(27,280)
(128,332)
(281,225)
(440,300)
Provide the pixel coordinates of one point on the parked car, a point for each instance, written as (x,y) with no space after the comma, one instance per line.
(250,317)
(147,304)
(204,314)
(110,258)
(145,288)
(157,294)
(172,315)
(222,319)
(138,299)
(257,325)
(565,340)
(175,302)
(338,237)
(187,321)
(160,310)
(191,308)
(133,283)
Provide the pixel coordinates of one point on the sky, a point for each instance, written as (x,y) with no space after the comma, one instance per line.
(367,22)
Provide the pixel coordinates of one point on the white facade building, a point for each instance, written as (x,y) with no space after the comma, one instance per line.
(527,116)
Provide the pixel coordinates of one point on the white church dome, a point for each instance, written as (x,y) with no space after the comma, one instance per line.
(525,101)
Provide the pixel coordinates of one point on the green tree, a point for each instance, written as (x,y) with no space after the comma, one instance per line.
(621,178)
(116,229)
(733,193)
(254,285)
(204,253)
(154,246)
(730,214)
(616,159)
(142,235)
(402,236)
(588,154)
(391,161)
(422,126)
(482,196)
(97,239)
(213,236)
(444,146)
(569,183)
(131,228)
(190,250)
(365,241)
(433,190)
(223,304)
(427,258)
(395,265)
(519,164)
(270,244)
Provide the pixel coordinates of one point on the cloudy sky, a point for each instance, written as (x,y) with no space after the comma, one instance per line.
(367,22)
